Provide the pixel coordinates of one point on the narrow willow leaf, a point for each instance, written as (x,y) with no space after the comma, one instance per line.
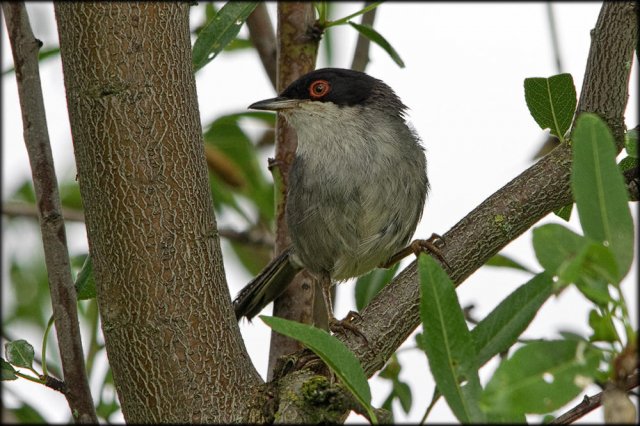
(447,342)
(377,38)
(219,32)
(599,190)
(346,19)
(332,351)
(502,327)
(541,377)
(503,261)
(551,102)
(19,353)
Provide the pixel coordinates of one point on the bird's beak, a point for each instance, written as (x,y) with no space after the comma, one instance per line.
(275,104)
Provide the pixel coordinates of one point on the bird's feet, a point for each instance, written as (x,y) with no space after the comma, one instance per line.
(431,245)
(336,325)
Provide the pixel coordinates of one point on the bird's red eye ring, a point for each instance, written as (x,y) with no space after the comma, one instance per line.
(319,88)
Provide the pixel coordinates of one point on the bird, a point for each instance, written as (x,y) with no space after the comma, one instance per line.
(357,184)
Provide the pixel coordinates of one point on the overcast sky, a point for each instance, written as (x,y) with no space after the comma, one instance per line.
(463,84)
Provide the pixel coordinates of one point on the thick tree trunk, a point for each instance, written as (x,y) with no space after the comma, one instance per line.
(171,336)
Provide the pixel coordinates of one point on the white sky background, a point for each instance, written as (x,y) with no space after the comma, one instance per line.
(463,82)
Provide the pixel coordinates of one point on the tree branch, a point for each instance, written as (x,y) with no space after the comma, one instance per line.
(361,54)
(264,39)
(389,319)
(18,209)
(25,48)
(590,403)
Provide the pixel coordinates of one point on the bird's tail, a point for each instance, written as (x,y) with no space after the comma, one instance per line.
(269,284)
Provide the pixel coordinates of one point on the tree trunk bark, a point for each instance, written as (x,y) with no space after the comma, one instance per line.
(170,333)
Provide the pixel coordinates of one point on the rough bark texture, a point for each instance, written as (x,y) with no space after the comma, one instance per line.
(25,49)
(171,337)
(297,50)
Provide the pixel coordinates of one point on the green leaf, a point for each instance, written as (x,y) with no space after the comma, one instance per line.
(19,353)
(631,142)
(447,342)
(239,44)
(576,259)
(368,285)
(564,212)
(85,283)
(500,260)
(628,163)
(403,392)
(603,328)
(551,102)
(332,351)
(553,243)
(353,15)
(599,190)
(541,377)
(219,32)
(377,38)
(502,327)
(399,390)
(8,372)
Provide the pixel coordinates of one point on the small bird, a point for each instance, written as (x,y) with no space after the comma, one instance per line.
(357,184)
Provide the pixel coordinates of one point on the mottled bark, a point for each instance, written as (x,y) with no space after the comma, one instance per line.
(171,336)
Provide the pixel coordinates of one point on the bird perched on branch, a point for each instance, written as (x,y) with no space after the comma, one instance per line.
(357,185)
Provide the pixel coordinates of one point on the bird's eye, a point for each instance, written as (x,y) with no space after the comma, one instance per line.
(319,88)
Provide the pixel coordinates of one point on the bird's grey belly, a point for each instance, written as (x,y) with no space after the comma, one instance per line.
(347,226)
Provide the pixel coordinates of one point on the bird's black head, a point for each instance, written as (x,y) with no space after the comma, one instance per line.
(340,86)
(337,85)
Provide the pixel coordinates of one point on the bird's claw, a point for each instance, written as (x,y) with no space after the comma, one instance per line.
(336,325)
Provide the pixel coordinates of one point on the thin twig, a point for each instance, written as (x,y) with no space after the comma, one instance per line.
(250,237)
(25,48)
(361,54)
(18,209)
(555,43)
(590,403)
(264,39)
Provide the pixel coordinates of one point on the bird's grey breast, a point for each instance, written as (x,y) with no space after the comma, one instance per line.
(356,191)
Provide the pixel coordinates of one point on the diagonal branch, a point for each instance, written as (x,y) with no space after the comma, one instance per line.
(63,294)
(590,403)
